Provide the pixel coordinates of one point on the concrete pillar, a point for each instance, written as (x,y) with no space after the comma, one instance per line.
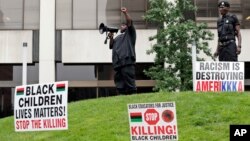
(47,41)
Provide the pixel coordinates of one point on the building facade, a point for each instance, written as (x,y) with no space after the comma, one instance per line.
(64,43)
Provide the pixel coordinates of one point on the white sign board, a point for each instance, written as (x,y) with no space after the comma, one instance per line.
(41,107)
(219,77)
(153,121)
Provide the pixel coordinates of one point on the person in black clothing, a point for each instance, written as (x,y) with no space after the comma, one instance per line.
(124,56)
(228,27)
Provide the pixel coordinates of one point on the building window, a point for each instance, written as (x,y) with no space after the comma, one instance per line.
(5,102)
(245,7)
(207,8)
(10,76)
(75,72)
(32,73)
(6,72)
(11,14)
(109,12)
(31,14)
(76,14)
(13,74)
(137,9)
(81,75)
(84,15)
(64,14)
(207,11)
(19,14)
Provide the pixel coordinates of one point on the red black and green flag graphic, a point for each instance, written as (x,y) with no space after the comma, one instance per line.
(136,117)
(19,91)
(60,87)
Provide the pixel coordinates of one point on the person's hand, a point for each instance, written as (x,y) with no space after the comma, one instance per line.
(111,35)
(124,10)
(216,53)
(238,50)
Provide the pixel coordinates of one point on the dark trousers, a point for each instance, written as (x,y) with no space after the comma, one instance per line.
(228,52)
(125,79)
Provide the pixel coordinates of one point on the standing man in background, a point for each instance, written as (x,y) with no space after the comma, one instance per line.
(124,56)
(228,27)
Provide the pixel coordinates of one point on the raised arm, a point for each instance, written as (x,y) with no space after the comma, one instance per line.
(128,18)
(216,53)
(239,39)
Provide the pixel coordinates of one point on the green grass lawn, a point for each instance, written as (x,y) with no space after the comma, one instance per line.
(200,117)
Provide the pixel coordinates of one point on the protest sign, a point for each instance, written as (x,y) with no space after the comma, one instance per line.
(153,121)
(219,77)
(41,107)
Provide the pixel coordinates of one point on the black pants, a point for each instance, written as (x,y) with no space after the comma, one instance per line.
(228,52)
(125,79)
